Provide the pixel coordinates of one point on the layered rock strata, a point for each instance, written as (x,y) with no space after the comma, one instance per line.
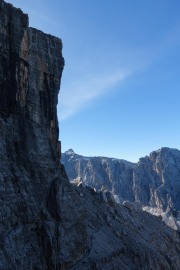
(45,222)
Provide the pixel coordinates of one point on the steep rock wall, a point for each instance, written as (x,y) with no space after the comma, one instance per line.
(30,70)
(45,222)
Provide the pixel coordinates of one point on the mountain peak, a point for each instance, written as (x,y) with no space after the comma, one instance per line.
(165,151)
(70,152)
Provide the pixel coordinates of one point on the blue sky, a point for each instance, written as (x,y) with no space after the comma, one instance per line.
(120,89)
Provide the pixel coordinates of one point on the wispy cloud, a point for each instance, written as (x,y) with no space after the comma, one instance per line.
(79,95)
(80,91)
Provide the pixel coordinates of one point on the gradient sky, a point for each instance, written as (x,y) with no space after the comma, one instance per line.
(120,90)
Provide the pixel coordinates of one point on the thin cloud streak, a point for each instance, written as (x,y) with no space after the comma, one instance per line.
(79,95)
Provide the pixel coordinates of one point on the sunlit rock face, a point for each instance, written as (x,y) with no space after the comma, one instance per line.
(101,173)
(45,222)
(154,181)
(156,184)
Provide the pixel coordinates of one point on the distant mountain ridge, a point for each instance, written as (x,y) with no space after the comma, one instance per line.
(154,181)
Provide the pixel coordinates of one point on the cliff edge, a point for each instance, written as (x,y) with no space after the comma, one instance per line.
(45,222)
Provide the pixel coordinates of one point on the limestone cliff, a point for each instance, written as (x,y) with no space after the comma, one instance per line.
(101,173)
(156,184)
(154,181)
(45,222)
(30,70)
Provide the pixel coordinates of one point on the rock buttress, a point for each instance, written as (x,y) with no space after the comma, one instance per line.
(31,64)
(30,73)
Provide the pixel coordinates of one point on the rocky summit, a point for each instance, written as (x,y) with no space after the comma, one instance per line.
(46,223)
(153,182)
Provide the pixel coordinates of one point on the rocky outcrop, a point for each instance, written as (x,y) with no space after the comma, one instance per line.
(156,184)
(45,222)
(101,173)
(154,181)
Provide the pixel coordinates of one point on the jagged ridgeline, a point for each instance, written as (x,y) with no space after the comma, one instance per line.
(45,222)
(153,182)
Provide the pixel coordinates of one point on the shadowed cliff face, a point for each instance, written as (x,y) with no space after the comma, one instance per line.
(13,26)
(46,223)
(30,72)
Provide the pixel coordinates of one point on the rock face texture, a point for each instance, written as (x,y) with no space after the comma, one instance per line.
(101,173)
(45,222)
(156,184)
(30,70)
(154,181)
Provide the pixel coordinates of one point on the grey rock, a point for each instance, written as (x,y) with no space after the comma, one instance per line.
(46,222)
(156,184)
(102,173)
(153,182)
(30,70)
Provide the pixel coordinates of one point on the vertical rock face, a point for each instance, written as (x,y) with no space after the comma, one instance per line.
(156,184)
(31,67)
(46,223)
(30,70)
(161,170)
(12,26)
